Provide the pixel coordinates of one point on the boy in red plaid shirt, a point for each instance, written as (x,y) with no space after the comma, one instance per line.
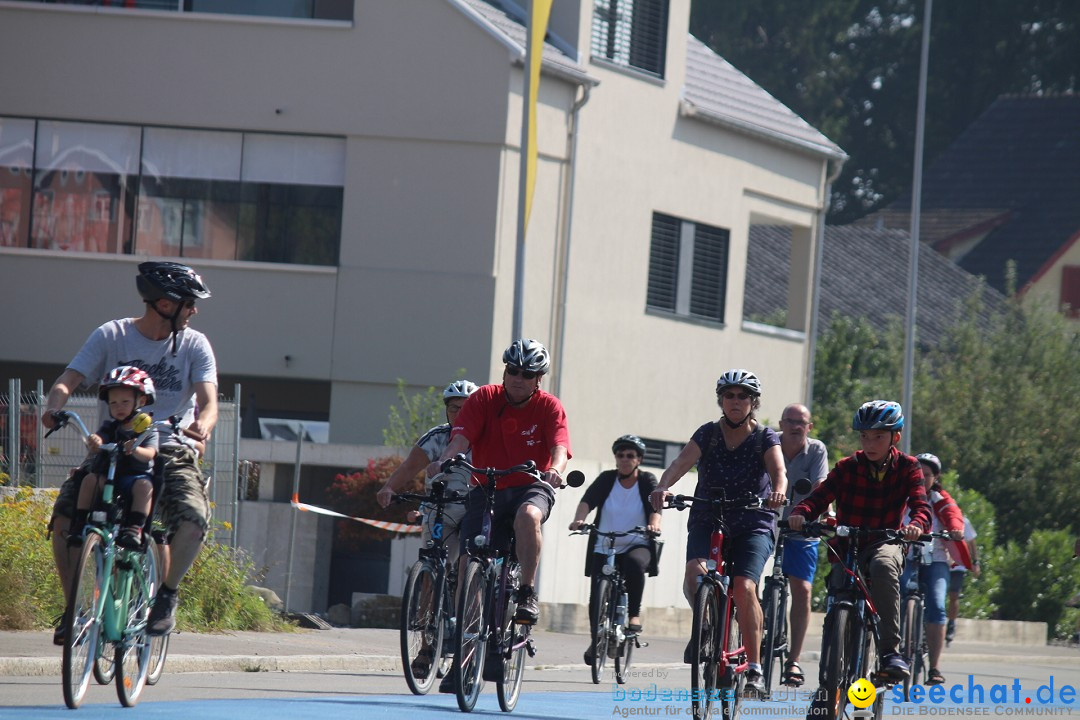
(871,489)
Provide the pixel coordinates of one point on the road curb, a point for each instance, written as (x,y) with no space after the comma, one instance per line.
(50,666)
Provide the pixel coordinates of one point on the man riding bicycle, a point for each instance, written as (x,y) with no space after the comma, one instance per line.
(507,425)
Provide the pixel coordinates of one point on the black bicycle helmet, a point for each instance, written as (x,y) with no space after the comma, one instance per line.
(879,415)
(171,281)
(528,355)
(629,441)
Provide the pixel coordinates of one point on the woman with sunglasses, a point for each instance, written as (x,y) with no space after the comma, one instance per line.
(621,500)
(736,455)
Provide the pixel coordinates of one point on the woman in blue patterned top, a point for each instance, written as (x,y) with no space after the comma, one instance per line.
(739,456)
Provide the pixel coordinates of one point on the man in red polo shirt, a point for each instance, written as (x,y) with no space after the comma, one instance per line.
(507,425)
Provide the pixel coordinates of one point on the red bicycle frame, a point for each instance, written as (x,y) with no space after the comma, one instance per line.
(717,567)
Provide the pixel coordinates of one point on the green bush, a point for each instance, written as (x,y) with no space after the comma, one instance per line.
(213,595)
(1037,576)
(30,595)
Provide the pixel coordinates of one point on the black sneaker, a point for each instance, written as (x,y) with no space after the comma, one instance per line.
(162,618)
(893,667)
(130,538)
(688,653)
(754,687)
(75,540)
(60,633)
(447,683)
(421,664)
(528,606)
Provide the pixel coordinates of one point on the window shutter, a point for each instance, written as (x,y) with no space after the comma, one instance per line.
(631,33)
(1070,290)
(709,281)
(663,262)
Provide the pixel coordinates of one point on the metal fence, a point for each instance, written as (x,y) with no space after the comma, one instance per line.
(28,458)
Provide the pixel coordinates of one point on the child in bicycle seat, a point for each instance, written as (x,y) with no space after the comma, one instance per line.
(127,390)
(872,489)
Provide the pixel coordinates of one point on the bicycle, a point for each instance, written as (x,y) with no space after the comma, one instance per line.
(913,645)
(775,643)
(852,635)
(427,603)
(490,645)
(111,594)
(718,656)
(610,638)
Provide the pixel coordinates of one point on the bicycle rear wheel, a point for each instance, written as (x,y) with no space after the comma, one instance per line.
(704,642)
(133,649)
(104,663)
(868,670)
(83,625)
(622,659)
(909,640)
(472,636)
(772,654)
(602,605)
(421,628)
(515,635)
(731,684)
(159,644)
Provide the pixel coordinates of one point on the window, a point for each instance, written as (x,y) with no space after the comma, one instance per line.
(660,453)
(16,183)
(687,268)
(171,192)
(299,9)
(1070,290)
(632,33)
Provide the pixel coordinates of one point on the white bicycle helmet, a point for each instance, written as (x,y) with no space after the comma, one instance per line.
(528,355)
(739,378)
(458,389)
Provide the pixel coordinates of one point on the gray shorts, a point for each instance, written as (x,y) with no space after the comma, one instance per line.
(183,497)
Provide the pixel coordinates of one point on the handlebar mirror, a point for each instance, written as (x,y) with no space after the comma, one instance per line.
(575,478)
(803,486)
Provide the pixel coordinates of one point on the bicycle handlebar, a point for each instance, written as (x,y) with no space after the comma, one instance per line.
(574,478)
(64,417)
(752,502)
(586,528)
(819,529)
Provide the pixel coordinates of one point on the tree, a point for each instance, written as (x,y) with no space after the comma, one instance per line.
(850,68)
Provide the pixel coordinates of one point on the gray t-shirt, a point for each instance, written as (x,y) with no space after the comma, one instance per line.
(811,463)
(118,342)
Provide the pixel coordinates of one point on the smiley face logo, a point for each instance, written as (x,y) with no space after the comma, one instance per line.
(862,693)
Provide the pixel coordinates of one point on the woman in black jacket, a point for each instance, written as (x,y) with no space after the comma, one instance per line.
(621,500)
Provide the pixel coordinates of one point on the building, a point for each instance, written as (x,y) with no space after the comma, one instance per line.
(346,183)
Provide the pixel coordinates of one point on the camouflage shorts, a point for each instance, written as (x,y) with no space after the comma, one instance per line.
(183,497)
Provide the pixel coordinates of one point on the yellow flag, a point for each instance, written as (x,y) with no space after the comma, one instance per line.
(539,13)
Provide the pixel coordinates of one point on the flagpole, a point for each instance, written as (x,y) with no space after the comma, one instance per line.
(916,215)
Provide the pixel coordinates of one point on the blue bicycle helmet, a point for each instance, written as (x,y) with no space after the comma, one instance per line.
(879,415)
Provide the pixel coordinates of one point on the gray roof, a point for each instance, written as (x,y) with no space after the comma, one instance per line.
(717,92)
(509,29)
(863,274)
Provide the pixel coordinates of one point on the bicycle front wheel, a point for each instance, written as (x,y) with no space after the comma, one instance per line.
(133,649)
(832,695)
(909,640)
(159,644)
(515,636)
(104,663)
(82,621)
(603,602)
(772,654)
(731,683)
(704,650)
(472,636)
(421,628)
(868,670)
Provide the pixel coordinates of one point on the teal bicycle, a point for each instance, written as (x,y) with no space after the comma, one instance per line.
(111,593)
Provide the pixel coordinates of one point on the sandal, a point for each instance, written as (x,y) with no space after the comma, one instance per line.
(934,677)
(793,674)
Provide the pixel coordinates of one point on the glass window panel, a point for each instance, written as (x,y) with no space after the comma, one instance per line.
(171,153)
(294,160)
(290,223)
(16,161)
(84,187)
(272,8)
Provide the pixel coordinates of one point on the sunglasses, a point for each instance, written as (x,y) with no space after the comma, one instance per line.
(628,455)
(514,372)
(736,396)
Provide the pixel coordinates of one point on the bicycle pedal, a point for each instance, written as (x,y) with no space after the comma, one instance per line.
(530,647)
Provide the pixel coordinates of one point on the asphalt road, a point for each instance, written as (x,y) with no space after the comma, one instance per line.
(551,692)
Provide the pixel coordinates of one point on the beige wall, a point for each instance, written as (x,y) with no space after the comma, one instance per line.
(1047,289)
